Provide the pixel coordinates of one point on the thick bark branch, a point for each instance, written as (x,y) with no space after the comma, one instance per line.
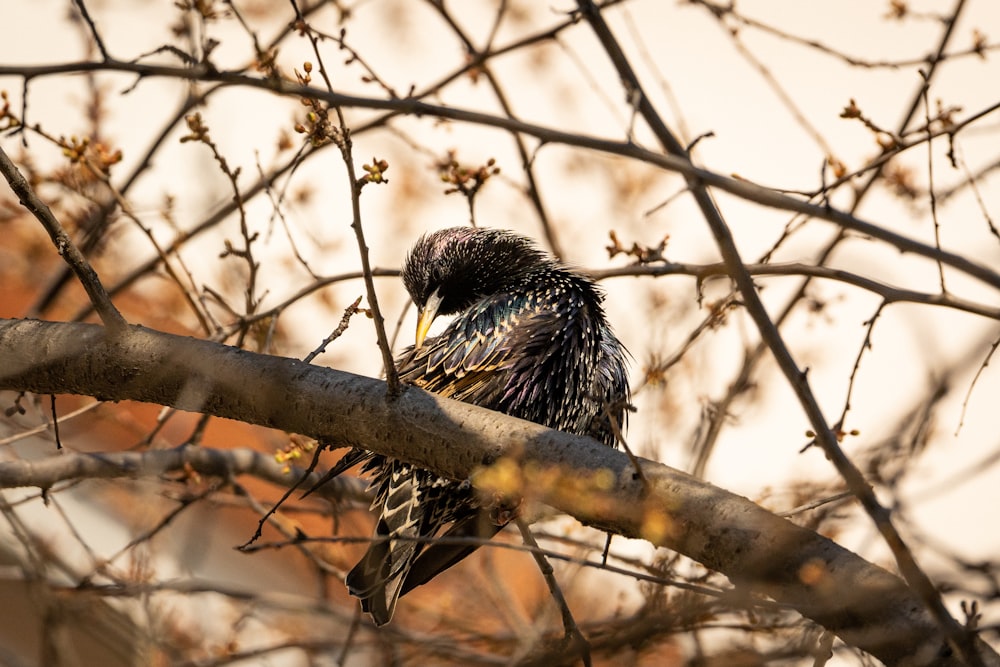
(863,604)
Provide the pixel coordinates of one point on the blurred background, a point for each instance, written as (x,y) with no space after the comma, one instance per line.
(223,210)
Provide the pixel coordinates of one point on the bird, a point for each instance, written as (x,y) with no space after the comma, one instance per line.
(529,338)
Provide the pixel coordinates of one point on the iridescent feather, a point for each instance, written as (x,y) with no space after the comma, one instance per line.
(529,339)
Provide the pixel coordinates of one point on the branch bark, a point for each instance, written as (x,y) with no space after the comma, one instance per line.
(865,605)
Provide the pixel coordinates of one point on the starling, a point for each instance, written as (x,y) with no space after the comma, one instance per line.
(529,339)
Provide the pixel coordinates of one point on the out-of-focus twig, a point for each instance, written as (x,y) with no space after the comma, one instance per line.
(85,273)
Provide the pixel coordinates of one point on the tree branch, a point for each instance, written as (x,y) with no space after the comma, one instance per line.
(960,639)
(46,473)
(64,245)
(888,292)
(674,163)
(863,604)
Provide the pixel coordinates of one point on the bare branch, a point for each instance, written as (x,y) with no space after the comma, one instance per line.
(674,163)
(863,604)
(64,245)
(70,466)
(958,637)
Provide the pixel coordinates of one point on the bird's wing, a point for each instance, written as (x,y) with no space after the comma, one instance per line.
(504,355)
(473,358)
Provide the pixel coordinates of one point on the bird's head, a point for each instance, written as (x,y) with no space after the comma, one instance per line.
(449,270)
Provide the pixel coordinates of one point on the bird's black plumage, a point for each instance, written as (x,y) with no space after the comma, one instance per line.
(530,339)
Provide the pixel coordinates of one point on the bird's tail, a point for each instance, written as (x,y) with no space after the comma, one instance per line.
(408,549)
(378,577)
(439,556)
(394,565)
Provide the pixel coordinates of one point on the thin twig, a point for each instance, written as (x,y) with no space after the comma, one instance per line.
(866,344)
(345,320)
(82,6)
(931,195)
(21,435)
(975,380)
(85,273)
(527,161)
(574,638)
(345,144)
(837,497)
(55,421)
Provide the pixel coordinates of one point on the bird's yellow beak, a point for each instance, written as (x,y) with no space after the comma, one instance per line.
(426,317)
